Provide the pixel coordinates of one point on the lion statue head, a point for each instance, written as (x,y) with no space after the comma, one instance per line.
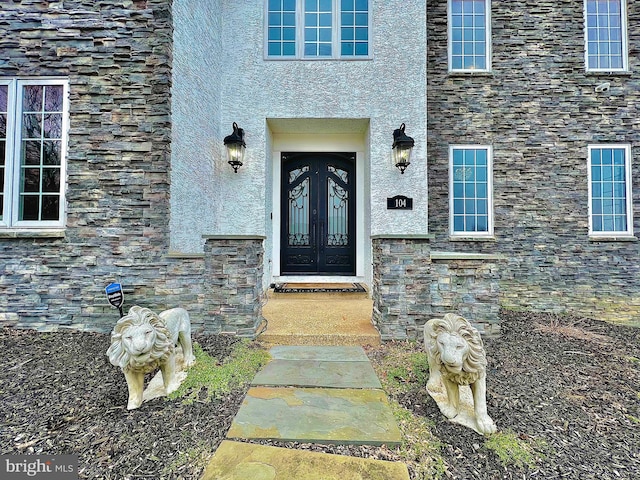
(457,347)
(140,341)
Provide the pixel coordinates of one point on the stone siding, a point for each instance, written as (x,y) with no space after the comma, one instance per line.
(539,110)
(413,284)
(234,283)
(117,57)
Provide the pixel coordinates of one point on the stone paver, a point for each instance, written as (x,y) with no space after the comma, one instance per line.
(244,461)
(313,373)
(327,354)
(316,415)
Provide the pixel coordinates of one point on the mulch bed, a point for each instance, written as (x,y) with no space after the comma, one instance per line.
(571,385)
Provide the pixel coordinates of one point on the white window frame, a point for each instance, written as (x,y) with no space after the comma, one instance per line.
(625,41)
(628,190)
(299,38)
(487,39)
(10,214)
(490,214)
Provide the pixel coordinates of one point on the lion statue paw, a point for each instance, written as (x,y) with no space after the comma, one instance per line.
(457,358)
(143,342)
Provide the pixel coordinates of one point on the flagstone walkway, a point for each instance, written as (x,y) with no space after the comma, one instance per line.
(310,394)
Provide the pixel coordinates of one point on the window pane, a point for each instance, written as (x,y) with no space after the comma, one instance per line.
(289,49)
(470,224)
(32,98)
(348,19)
(53,125)
(4,92)
(362,5)
(275,48)
(29,207)
(51,180)
(50,207)
(348,48)
(30,153)
(30,181)
(31,126)
(53,98)
(51,152)
(325,20)
(325,35)
(325,50)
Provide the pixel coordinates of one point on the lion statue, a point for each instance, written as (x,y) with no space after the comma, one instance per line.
(142,342)
(456,357)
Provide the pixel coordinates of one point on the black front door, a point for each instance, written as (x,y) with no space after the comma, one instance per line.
(318,214)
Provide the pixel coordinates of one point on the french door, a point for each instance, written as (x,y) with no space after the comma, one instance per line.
(318,214)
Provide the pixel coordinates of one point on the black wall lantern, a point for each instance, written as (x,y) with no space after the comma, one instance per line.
(401,149)
(235,147)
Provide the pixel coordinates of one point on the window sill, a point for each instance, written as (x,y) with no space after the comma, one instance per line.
(470,73)
(609,73)
(23,233)
(318,59)
(612,238)
(467,238)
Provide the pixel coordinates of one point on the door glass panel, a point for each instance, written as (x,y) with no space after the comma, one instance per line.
(299,209)
(337,208)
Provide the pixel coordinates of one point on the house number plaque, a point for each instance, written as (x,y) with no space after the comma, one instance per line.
(399,202)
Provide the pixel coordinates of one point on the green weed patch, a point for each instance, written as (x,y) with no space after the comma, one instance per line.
(218,379)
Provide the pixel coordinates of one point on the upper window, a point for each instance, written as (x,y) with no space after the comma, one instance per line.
(606,35)
(469,35)
(470,184)
(317,29)
(610,209)
(33,123)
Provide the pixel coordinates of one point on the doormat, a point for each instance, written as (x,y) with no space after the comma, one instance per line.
(319,288)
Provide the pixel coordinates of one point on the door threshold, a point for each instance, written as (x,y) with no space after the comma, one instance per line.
(316,279)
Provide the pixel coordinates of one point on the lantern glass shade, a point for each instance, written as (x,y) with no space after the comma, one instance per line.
(235,155)
(401,155)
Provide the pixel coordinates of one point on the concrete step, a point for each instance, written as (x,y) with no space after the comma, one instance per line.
(319,319)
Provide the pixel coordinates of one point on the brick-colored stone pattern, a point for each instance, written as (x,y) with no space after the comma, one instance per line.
(117,57)
(411,285)
(234,284)
(539,110)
